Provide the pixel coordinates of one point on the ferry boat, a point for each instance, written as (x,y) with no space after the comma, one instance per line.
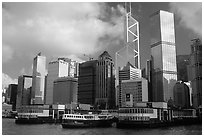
(86,120)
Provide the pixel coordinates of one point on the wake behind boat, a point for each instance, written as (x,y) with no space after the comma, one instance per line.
(86,120)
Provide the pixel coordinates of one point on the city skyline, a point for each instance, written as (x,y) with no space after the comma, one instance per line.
(26,29)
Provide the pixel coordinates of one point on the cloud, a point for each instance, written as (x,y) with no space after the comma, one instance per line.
(61,29)
(7,53)
(190,15)
(6,80)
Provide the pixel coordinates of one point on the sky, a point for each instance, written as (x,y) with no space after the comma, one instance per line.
(74,29)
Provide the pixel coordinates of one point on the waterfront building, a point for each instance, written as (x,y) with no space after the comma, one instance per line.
(181,95)
(163,52)
(24,91)
(105,82)
(128,72)
(134,91)
(195,72)
(12,95)
(87,82)
(38,84)
(56,69)
(65,90)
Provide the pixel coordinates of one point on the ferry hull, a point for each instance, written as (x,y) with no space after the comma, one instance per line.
(29,121)
(87,123)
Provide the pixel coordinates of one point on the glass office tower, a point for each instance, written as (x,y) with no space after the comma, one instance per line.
(163,51)
(38,84)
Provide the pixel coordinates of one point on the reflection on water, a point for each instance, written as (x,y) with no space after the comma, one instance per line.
(10,128)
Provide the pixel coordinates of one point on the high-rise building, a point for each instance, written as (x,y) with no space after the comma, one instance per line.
(12,95)
(38,84)
(128,72)
(181,95)
(134,91)
(105,82)
(65,90)
(195,72)
(87,82)
(56,69)
(24,91)
(163,52)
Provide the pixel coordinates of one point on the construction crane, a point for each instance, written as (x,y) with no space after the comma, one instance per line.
(88,56)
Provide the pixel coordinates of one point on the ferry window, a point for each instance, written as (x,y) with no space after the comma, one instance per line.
(138,110)
(135,110)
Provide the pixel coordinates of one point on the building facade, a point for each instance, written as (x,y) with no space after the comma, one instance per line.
(128,72)
(38,84)
(24,91)
(134,91)
(65,90)
(105,82)
(181,95)
(195,72)
(87,82)
(163,52)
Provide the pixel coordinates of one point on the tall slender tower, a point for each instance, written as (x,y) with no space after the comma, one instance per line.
(163,51)
(129,53)
(38,84)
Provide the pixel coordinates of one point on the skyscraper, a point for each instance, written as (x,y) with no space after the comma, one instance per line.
(38,84)
(163,51)
(87,82)
(195,72)
(105,92)
(23,91)
(56,69)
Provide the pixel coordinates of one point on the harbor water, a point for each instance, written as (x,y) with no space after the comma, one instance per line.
(10,128)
